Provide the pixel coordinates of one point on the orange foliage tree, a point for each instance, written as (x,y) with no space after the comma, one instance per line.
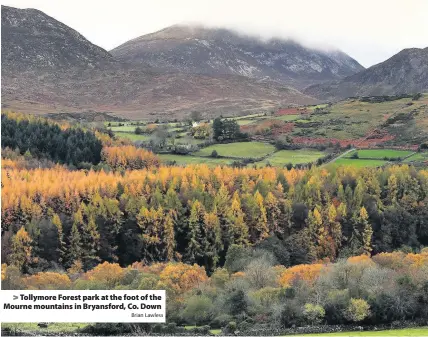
(305,272)
(108,273)
(129,157)
(47,280)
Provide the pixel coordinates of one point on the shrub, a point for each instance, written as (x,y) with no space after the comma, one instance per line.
(357,310)
(214,154)
(231,327)
(198,309)
(313,313)
(220,321)
(157,328)
(171,328)
(108,329)
(416,96)
(355,155)
(219,277)
(202,330)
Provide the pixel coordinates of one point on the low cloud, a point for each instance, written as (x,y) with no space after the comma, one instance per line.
(368,30)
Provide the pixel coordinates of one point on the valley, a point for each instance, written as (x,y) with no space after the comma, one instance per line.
(270,185)
(300,135)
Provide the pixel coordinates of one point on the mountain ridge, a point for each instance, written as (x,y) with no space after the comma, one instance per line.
(33,40)
(197,49)
(50,67)
(404,73)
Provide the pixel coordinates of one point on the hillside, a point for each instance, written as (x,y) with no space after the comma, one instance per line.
(405,72)
(32,40)
(137,94)
(48,67)
(194,49)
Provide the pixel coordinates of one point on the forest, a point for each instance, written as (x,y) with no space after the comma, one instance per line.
(44,139)
(235,248)
(194,214)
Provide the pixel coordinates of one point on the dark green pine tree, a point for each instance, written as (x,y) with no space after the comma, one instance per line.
(194,250)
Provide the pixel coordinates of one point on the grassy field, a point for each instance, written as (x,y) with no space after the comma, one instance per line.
(399,332)
(360,162)
(239,150)
(353,119)
(284,157)
(380,153)
(247,116)
(124,128)
(213,331)
(188,140)
(319,106)
(245,121)
(278,159)
(193,160)
(132,136)
(417,157)
(111,124)
(287,118)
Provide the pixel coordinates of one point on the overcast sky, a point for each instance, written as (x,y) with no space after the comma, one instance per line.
(368,30)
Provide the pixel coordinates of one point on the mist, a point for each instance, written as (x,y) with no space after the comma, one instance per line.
(369,31)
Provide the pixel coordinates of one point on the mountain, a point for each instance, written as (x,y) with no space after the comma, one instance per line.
(403,73)
(49,67)
(136,94)
(31,40)
(195,49)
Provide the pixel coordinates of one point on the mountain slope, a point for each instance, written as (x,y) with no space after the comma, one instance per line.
(194,49)
(405,72)
(140,95)
(31,40)
(49,67)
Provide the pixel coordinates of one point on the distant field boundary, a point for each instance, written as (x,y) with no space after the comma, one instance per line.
(237,158)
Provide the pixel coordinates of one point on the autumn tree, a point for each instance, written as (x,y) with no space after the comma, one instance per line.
(150,221)
(108,273)
(194,251)
(21,249)
(238,230)
(273,213)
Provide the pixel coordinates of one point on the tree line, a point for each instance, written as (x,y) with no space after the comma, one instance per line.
(35,141)
(54,217)
(42,139)
(255,295)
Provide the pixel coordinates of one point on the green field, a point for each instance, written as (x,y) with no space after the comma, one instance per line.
(193,160)
(360,162)
(213,331)
(319,106)
(124,128)
(239,150)
(247,116)
(110,124)
(400,332)
(245,121)
(278,159)
(283,157)
(417,157)
(132,136)
(380,153)
(287,118)
(353,119)
(188,140)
